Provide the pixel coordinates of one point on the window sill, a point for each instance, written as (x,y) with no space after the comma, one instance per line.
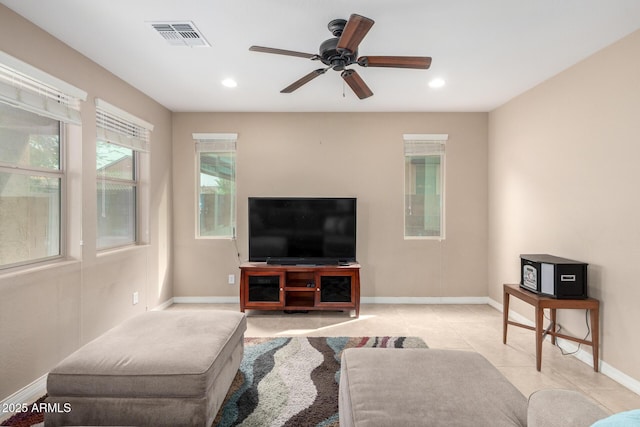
(31,268)
(215,238)
(121,249)
(438,238)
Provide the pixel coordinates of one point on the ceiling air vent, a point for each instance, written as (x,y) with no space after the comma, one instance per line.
(180,33)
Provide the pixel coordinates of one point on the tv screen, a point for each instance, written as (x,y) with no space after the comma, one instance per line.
(302,230)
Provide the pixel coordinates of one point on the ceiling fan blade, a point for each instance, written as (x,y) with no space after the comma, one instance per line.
(356,83)
(357,27)
(282,52)
(420,62)
(306,79)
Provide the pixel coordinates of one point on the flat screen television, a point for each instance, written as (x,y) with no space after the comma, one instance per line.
(302,230)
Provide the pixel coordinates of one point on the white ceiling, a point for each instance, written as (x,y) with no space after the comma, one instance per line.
(487,51)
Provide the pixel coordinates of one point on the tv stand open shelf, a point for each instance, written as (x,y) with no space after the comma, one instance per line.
(299,288)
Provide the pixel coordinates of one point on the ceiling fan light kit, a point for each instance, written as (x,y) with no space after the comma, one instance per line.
(341,51)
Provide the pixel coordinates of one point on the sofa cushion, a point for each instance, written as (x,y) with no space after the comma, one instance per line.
(426,387)
(173,353)
(562,408)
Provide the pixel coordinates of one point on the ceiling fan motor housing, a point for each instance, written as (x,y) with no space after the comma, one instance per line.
(331,57)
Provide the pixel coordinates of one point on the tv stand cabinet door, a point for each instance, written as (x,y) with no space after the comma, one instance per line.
(262,290)
(337,289)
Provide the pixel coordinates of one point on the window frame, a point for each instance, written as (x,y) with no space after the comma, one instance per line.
(215,143)
(424,145)
(135,184)
(62,212)
(120,128)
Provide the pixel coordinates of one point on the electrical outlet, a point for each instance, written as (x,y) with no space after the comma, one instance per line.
(136,298)
(232,279)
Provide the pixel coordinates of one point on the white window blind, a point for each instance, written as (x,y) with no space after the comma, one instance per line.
(215,142)
(121,128)
(424,144)
(26,87)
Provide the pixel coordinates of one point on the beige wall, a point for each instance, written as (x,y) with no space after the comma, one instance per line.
(47,312)
(342,154)
(563,176)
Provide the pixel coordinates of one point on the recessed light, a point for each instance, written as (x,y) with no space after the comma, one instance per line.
(229,83)
(436,83)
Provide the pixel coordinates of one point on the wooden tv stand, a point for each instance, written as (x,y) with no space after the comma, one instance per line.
(299,287)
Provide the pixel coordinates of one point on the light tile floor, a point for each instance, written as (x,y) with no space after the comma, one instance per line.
(464,327)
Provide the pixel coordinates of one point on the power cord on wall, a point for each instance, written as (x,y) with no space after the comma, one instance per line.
(235,244)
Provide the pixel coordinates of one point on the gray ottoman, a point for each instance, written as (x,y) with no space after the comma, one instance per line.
(425,387)
(161,368)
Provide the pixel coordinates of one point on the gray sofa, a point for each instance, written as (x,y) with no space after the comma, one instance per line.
(161,368)
(429,387)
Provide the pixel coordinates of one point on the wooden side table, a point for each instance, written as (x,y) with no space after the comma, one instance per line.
(540,302)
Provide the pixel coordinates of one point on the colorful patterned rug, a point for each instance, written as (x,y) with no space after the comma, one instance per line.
(293,381)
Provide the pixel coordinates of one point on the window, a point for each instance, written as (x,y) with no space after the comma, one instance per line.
(424,186)
(216,162)
(34,108)
(31,182)
(121,140)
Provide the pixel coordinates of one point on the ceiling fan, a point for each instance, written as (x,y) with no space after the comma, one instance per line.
(341,51)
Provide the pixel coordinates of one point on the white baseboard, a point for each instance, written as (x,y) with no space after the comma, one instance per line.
(424,300)
(363,300)
(206,300)
(619,377)
(495,304)
(26,395)
(164,305)
(584,356)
